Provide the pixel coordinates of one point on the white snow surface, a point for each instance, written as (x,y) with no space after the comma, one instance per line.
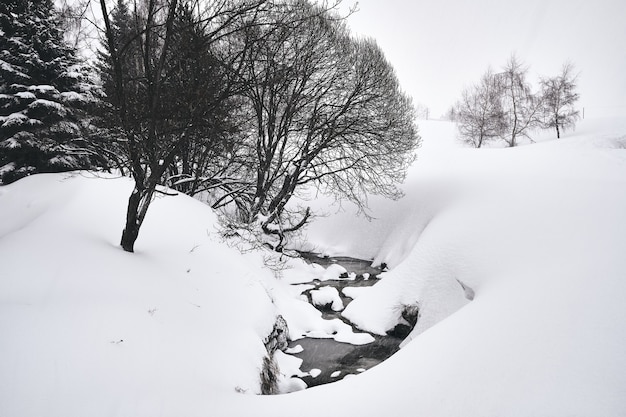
(354,292)
(538,233)
(327,295)
(290,373)
(88,329)
(297,271)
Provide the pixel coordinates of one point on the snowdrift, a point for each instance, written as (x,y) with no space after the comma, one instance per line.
(176,328)
(535,236)
(88,329)
(515,258)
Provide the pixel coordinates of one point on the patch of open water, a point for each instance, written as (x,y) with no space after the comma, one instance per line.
(335,360)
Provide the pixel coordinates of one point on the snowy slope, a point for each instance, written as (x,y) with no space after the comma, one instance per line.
(538,233)
(175,328)
(88,329)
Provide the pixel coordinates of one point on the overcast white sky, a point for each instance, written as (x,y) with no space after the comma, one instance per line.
(439,46)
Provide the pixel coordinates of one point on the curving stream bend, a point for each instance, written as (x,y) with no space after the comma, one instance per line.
(327,359)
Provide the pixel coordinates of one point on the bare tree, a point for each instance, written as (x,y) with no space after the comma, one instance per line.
(327,111)
(157,112)
(559,97)
(422,111)
(76,23)
(451,114)
(479,112)
(522,107)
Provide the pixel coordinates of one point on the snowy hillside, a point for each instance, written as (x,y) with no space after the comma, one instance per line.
(515,258)
(91,330)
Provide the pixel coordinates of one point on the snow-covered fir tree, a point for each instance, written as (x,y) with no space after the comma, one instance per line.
(46,95)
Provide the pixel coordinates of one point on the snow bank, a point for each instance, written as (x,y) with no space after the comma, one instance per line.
(297,271)
(354,292)
(88,329)
(290,373)
(538,233)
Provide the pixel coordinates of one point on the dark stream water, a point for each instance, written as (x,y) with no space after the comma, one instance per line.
(334,359)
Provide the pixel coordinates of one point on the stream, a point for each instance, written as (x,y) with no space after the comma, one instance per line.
(336,360)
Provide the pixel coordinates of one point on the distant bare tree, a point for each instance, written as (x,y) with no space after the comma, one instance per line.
(451,114)
(479,112)
(559,97)
(422,111)
(522,107)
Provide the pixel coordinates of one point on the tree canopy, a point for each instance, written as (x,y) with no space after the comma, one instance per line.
(327,111)
(252,100)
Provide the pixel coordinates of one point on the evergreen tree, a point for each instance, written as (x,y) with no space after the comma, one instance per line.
(46,96)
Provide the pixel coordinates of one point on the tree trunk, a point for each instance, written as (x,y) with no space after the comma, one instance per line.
(131,230)
(138,204)
(558,132)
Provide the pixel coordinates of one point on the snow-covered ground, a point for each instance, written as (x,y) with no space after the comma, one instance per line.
(536,235)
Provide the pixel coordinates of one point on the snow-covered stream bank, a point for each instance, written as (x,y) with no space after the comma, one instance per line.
(177,328)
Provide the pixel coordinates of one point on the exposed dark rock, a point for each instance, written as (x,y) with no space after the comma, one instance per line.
(278,339)
(400,330)
(409,314)
(269,376)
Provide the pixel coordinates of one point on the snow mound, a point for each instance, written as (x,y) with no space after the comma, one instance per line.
(333,272)
(355,292)
(87,327)
(290,373)
(325,296)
